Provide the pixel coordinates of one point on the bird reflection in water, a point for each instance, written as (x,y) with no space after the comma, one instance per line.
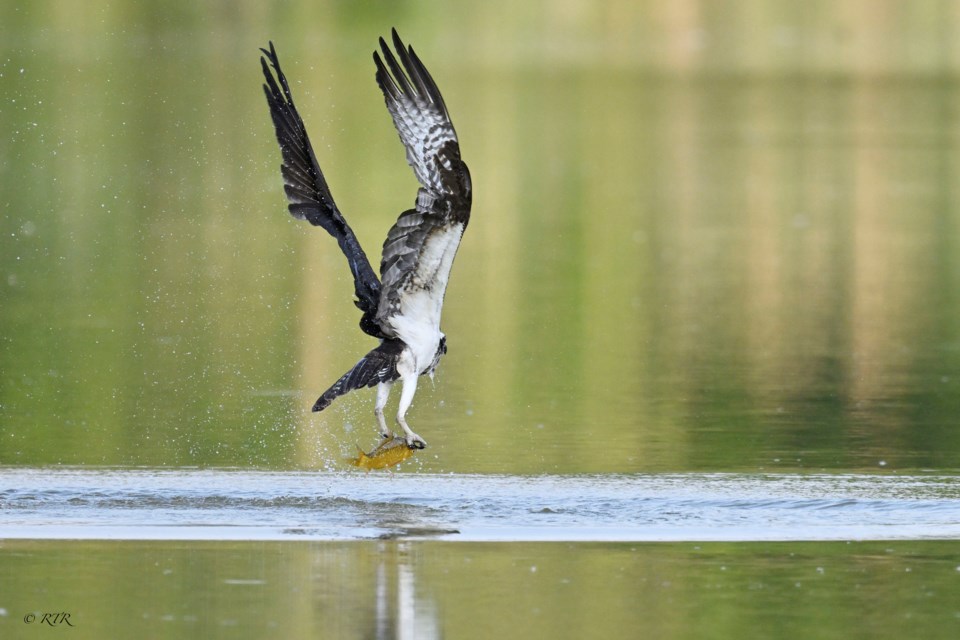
(400,611)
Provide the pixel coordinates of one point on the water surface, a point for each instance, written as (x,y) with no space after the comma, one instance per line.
(243,505)
(434,589)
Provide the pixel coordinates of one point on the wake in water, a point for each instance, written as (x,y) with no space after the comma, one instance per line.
(245,505)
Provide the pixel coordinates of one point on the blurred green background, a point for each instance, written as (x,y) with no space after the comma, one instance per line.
(706,235)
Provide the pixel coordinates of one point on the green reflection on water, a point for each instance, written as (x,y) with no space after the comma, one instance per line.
(511,590)
(702,240)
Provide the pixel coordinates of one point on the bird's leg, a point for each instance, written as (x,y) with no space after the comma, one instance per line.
(383,392)
(406,399)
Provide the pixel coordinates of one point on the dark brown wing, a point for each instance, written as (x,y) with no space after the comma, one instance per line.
(443,203)
(421,118)
(308,193)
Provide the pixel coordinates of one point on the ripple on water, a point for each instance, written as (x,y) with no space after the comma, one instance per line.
(231,504)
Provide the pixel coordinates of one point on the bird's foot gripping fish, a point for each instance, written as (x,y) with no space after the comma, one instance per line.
(402,307)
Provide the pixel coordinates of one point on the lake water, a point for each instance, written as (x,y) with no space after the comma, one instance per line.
(703,375)
(243,505)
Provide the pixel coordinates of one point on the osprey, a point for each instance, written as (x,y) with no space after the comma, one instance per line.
(402,307)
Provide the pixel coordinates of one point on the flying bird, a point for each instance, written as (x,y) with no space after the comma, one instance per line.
(402,307)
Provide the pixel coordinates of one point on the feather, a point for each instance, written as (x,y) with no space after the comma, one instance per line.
(380,365)
(420,116)
(307,191)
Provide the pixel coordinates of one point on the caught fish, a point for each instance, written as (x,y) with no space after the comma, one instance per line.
(389,453)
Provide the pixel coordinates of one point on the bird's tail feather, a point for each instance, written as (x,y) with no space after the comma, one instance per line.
(380,365)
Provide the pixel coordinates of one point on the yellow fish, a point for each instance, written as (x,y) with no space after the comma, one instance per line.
(390,452)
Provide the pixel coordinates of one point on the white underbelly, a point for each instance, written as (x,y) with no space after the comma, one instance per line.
(418,325)
(417,321)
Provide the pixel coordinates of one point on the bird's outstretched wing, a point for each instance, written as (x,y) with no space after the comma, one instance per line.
(420,116)
(380,365)
(442,208)
(307,190)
